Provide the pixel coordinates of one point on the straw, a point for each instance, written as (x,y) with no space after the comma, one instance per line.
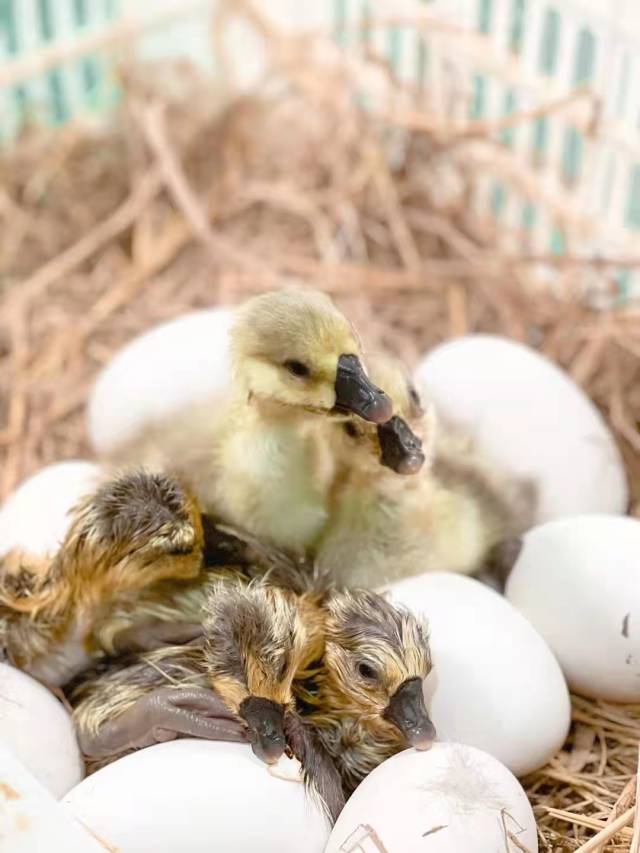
(189,199)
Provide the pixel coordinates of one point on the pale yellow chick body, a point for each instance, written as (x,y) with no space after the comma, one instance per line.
(260,459)
(450,516)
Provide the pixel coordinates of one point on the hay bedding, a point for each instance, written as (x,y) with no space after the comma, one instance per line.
(187,201)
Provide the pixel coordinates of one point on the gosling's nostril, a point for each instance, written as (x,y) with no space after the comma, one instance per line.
(270,732)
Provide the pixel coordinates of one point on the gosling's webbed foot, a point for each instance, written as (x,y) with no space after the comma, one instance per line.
(152,634)
(164,715)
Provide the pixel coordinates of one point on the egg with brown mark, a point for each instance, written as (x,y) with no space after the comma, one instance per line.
(38,730)
(577,580)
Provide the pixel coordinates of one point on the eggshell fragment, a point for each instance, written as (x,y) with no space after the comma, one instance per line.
(35,518)
(31,820)
(495,683)
(170,366)
(197,796)
(530,418)
(577,580)
(38,731)
(451,799)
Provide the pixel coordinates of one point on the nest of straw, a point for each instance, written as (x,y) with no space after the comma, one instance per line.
(188,200)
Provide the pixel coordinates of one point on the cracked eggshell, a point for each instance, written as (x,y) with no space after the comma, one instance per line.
(577,580)
(450,799)
(159,372)
(197,796)
(530,418)
(495,683)
(35,518)
(36,728)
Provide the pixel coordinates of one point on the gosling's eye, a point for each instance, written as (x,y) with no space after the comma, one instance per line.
(416,402)
(351,430)
(297,368)
(367,671)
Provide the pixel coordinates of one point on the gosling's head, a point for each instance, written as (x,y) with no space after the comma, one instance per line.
(397,444)
(254,644)
(293,347)
(136,529)
(376,657)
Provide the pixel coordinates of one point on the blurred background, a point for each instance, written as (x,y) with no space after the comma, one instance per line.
(439,167)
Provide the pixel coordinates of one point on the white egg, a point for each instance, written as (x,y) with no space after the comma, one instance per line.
(531,418)
(495,683)
(38,731)
(451,799)
(35,518)
(197,796)
(30,818)
(159,372)
(577,580)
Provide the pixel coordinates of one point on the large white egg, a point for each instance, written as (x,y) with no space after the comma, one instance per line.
(495,683)
(159,372)
(577,580)
(38,731)
(35,518)
(30,818)
(530,418)
(451,799)
(197,796)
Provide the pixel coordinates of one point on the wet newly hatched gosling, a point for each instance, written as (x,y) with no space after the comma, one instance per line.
(456,514)
(260,459)
(365,699)
(236,683)
(357,684)
(134,531)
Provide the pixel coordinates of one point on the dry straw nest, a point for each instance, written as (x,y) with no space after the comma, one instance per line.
(188,200)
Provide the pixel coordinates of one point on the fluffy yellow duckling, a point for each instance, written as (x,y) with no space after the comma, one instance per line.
(260,458)
(456,514)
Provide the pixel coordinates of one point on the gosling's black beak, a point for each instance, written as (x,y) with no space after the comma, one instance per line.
(406,709)
(356,393)
(265,720)
(400,449)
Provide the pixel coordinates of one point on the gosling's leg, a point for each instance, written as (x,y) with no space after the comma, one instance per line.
(160,716)
(319,772)
(152,634)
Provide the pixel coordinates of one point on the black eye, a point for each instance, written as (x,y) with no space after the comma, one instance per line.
(351,430)
(297,368)
(367,671)
(415,399)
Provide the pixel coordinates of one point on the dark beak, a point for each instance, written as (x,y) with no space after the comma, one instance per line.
(265,720)
(400,449)
(407,711)
(356,393)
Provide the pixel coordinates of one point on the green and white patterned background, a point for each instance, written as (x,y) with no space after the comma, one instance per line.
(560,44)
